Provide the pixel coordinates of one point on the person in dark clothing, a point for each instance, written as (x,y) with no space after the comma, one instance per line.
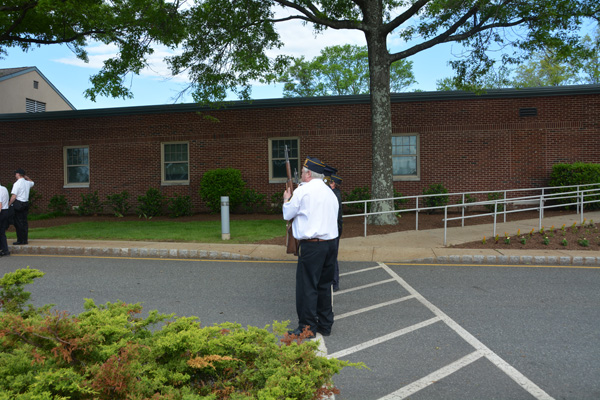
(334,181)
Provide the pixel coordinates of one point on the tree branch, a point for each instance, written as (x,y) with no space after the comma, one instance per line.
(311,15)
(405,16)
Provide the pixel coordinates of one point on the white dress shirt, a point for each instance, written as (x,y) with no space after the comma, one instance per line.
(4,197)
(314,209)
(21,189)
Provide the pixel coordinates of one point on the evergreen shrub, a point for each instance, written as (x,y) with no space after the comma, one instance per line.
(576,174)
(109,352)
(222,182)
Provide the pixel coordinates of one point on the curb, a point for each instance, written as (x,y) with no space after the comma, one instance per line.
(223,255)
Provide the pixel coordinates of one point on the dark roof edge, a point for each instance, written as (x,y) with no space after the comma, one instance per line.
(308,101)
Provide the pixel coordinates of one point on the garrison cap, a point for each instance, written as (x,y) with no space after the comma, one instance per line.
(336,179)
(314,164)
(329,170)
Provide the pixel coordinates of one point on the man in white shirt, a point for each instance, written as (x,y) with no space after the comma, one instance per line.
(314,210)
(20,203)
(3,221)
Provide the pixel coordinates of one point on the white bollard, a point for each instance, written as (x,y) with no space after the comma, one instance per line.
(225,235)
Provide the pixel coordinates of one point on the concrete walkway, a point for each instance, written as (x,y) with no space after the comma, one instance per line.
(406,247)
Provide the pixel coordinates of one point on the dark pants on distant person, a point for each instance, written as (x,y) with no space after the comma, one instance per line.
(21,225)
(336,274)
(3,227)
(314,277)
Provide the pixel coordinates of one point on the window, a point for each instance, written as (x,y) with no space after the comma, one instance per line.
(36,84)
(32,106)
(277,170)
(175,163)
(405,157)
(77,166)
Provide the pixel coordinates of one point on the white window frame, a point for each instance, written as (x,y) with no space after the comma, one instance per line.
(299,166)
(66,167)
(417,176)
(165,182)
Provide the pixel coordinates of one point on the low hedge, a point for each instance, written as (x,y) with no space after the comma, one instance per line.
(109,352)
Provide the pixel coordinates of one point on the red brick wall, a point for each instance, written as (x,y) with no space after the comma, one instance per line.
(467,144)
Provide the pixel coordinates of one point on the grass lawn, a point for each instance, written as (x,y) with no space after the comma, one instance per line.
(242,231)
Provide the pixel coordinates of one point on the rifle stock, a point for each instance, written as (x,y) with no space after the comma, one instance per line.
(290,242)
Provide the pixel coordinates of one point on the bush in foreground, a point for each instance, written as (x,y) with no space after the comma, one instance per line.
(109,352)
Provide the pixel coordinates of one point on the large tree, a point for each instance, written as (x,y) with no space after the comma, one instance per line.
(224,45)
(339,71)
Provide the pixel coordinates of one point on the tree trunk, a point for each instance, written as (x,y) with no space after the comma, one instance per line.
(382,185)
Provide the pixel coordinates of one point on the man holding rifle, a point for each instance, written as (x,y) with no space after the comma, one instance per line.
(314,210)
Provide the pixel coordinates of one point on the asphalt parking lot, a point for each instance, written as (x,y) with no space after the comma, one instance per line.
(424,331)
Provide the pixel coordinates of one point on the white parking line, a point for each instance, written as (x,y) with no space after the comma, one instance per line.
(374,307)
(433,377)
(363,287)
(360,270)
(509,370)
(384,338)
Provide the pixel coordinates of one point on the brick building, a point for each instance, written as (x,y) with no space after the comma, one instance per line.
(502,139)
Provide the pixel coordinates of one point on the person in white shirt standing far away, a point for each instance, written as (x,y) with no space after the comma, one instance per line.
(3,221)
(20,203)
(314,209)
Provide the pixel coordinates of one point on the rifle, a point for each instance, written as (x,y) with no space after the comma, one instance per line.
(290,242)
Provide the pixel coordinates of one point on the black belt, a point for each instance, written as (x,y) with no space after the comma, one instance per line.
(316,240)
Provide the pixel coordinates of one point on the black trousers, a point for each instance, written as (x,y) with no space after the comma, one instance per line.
(21,225)
(314,277)
(3,227)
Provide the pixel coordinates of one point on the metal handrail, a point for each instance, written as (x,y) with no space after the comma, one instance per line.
(538,199)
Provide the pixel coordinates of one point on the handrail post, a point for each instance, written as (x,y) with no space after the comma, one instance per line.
(417,215)
(463,211)
(582,200)
(541,215)
(445,223)
(365,219)
(542,203)
(577,199)
(495,213)
(505,206)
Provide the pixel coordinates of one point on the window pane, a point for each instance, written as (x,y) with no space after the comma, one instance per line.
(279,170)
(176,152)
(404,165)
(78,175)
(176,172)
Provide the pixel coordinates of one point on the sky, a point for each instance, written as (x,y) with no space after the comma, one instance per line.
(155,86)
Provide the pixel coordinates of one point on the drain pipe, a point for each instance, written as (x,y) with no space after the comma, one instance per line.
(225,235)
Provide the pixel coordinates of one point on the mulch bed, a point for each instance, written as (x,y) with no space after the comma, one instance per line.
(354,227)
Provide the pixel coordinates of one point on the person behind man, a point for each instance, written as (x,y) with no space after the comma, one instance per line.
(4,199)
(334,182)
(314,209)
(20,203)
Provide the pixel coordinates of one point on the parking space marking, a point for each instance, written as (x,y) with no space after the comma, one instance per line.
(360,270)
(374,307)
(508,369)
(383,338)
(433,377)
(364,286)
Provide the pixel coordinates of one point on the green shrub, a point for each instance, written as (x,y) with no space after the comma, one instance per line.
(399,203)
(90,204)
(222,182)
(495,196)
(118,203)
(151,205)
(58,205)
(435,201)
(110,352)
(358,193)
(180,206)
(13,299)
(576,174)
(276,203)
(34,198)
(252,201)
